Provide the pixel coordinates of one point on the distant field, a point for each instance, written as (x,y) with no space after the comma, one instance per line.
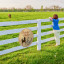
(18,16)
(49,53)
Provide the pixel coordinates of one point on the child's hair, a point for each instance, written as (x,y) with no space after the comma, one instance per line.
(55,16)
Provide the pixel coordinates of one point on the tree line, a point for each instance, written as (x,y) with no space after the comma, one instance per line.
(29,8)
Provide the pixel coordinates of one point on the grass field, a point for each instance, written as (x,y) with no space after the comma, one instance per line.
(49,54)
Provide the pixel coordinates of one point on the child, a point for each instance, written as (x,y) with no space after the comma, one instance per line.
(56,28)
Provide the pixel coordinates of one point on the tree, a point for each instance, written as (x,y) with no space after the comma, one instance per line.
(28,7)
(62,9)
(42,8)
(24,10)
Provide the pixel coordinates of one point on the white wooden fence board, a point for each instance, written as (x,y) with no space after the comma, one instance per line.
(20,47)
(11,40)
(50,26)
(61,36)
(45,20)
(61,18)
(49,39)
(62,24)
(49,32)
(7,41)
(24,22)
(46,33)
(17,22)
(62,29)
(5,32)
(15,49)
(48,20)
(46,26)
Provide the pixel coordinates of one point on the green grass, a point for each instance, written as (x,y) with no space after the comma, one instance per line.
(18,16)
(49,54)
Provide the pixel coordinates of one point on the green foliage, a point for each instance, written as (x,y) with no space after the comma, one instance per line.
(41,8)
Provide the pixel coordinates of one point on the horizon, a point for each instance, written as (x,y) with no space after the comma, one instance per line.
(36,4)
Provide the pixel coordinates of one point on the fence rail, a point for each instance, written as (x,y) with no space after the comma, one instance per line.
(24,22)
(5,32)
(16,39)
(38,35)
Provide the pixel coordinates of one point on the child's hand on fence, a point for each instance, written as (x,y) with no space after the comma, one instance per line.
(50,18)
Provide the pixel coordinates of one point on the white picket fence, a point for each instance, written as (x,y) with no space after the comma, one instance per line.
(38,35)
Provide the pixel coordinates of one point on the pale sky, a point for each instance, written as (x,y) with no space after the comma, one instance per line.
(34,3)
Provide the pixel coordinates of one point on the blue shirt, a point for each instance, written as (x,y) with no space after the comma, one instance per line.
(55,24)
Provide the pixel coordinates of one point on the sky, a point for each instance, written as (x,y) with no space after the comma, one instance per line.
(34,3)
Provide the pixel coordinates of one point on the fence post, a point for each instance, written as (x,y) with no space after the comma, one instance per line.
(39,35)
